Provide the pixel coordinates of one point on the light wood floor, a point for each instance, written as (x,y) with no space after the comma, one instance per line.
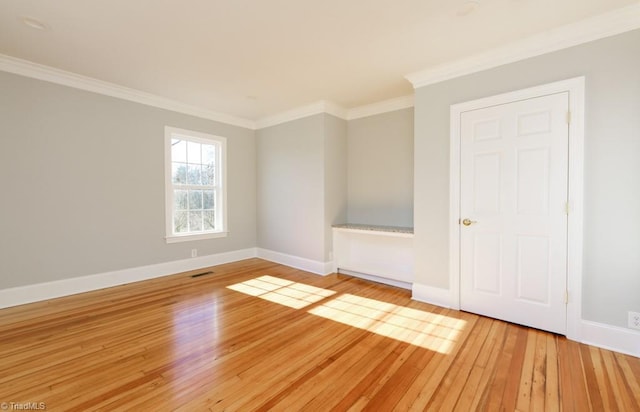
(259,336)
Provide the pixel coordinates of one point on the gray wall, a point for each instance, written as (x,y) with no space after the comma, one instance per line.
(380,173)
(611,282)
(335,183)
(301,185)
(83,183)
(290,160)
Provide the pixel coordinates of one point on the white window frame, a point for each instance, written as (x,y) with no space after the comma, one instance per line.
(221,192)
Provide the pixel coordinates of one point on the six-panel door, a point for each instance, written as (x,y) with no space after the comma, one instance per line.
(514,168)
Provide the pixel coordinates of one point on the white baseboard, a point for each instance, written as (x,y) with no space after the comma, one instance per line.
(604,336)
(378,279)
(432,295)
(592,333)
(329,267)
(313,266)
(64,287)
(611,337)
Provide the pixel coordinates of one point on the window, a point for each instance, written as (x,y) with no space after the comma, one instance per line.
(195,173)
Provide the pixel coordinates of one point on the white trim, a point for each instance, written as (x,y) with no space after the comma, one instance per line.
(58,288)
(188,237)
(325,106)
(329,267)
(611,338)
(373,232)
(608,24)
(432,295)
(313,266)
(575,87)
(454,206)
(335,110)
(575,207)
(377,279)
(594,28)
(50,74)
(220,188)
(321,106)
(385,106)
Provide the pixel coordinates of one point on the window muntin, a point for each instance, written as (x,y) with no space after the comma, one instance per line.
(195,164)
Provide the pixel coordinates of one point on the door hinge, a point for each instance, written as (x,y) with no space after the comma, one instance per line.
(566,297)
(567,209)
(568,117)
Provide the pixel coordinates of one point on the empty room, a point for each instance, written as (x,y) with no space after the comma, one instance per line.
(320,205)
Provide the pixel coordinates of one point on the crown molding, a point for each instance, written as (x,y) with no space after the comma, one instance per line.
(594,28)
(328,107)
(33,70)
(336,110)
(41,72)
(322,106)
(605,25)
(385,106)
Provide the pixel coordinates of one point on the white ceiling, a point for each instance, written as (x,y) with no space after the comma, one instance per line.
(256,58)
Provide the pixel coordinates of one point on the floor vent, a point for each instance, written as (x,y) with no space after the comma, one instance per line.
(197,275)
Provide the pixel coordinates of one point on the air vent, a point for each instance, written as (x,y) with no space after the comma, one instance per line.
(197,275)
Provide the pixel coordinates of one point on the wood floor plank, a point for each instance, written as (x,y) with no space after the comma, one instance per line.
(631,380)
(495,390)
(595,395)
(523,402)
(566,380)
(449,391)
(581,398)
(552,389)
(366,385)
(429,379)
(475,389)
(256,335)
(622,396)
(512,388)
(538,384)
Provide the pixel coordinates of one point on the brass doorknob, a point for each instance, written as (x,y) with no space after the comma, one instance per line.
(468,222)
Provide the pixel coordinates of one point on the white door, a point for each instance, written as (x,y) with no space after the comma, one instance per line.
(513,193)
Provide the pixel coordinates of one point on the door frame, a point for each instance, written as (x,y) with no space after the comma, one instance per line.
(575,87)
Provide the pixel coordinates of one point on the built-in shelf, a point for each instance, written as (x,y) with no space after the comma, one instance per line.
(380,253)
(381,230)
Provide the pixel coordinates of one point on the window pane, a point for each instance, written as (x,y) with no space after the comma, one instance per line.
(208,174)
(180,199)
(193,153)
(178,150)
(208,154)
(180,222)
(179,173)
(193,175)
(195,221)
(195,199)
(209,217)
(208,199)
(196,170)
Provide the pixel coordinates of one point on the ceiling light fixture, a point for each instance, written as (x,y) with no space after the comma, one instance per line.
(34,23)
(468,7)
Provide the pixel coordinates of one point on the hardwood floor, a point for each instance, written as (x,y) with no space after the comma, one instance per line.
(255,335)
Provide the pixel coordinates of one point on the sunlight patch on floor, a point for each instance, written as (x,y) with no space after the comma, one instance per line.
(285,292)
(417,327)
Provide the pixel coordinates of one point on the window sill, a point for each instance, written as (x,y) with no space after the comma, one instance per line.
(201,236)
